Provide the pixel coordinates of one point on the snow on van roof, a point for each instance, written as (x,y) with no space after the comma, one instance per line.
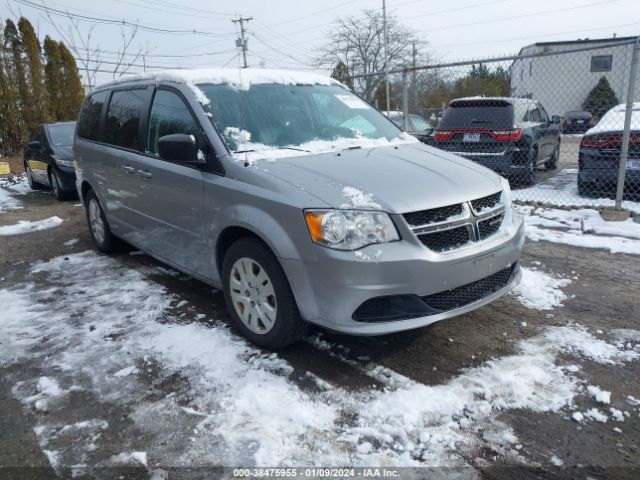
(241,78)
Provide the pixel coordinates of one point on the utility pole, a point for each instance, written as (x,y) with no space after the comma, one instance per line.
(414,85)
(242,42)
(386,52)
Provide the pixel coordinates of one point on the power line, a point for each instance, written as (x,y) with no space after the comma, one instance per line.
(271,47)
(546,12)
(67,14)
(173,12)
(156,55)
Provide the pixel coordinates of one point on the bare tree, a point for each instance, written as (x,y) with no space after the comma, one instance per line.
(358,42)
(81,42)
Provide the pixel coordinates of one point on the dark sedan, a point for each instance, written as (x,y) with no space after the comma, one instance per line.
(48,159)
(577,122)
(599,155)
(418,126)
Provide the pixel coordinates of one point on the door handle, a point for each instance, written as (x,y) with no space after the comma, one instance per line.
(127,168)
(145,173)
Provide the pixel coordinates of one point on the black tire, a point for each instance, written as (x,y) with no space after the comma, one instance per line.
(33,184)
(585,189)
(107,242)
(56,185)
(552,163)
(529,177)
(288,327)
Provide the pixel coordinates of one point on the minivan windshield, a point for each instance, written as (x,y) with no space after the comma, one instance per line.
(296,117)
(62,134)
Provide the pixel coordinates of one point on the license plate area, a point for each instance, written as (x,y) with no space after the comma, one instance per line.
(633,164)
(471,137)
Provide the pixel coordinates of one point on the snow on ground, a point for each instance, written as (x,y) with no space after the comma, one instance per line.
(10,186)
(562,190)
(539,290)
(581,228)
(27,226)
(95,325)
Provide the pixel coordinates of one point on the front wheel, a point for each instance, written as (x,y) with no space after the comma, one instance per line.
(56,184)
(98,225)
(259,297)
(552,163)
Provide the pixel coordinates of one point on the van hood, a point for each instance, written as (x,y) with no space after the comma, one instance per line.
(396,179)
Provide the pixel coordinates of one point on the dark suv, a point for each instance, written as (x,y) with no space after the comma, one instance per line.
(512,136)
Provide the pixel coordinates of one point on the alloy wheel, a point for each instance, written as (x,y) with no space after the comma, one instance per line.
(95,221)
(253,295)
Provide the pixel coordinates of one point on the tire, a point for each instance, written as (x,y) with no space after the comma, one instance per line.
(105,241)
(584,189)
(56,185)
(33,184)
(552,163)
(529,177)
(250,265)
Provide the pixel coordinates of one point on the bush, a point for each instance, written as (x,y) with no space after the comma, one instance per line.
(601,99)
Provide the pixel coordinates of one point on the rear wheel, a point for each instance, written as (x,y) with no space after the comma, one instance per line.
(552,163)
(98,225)
(259,297)
(529,177)
(33,184)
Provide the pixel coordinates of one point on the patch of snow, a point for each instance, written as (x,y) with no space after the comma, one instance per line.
(616,414)
(633,401)
(53,457)
(125,372)
(8,202)
(71,242)
(26,226)
(579,239)
(577,416)
(539,290)
(617,430)
(562,190)
(556,461)
(359,199)
(600,396)
(596,415)
(129,458)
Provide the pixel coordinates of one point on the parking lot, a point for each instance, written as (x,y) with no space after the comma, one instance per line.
(122,362)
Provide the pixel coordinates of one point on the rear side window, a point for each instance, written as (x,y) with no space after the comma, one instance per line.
(169,115)
(89,120)
(478,115)
(123,118)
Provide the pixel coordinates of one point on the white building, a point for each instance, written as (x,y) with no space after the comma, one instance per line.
(562,82)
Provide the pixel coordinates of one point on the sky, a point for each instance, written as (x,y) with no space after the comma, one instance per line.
(289,34)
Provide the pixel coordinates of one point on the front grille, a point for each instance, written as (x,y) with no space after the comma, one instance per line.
(470,293)
(488,202)
(488,227)
(433,215)
(443,240)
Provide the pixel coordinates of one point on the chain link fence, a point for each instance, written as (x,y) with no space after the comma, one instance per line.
(560,120)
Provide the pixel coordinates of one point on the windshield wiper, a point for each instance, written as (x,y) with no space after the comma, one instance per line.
(274,148)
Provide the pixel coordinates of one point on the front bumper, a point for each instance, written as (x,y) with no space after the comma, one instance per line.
(67,176)
(330,291)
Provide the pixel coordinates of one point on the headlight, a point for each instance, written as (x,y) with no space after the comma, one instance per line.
(349,229)
(506,192)
(64,163)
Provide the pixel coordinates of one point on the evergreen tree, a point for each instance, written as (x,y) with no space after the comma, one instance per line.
(8,116)
(54,80)
(341,73)
(73,92)
(600,99)
(16,75)
(35,110)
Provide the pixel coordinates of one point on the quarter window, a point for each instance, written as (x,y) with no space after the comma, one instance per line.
(534,115)
(601,63)
(89,121)
(169,115)
(123,118)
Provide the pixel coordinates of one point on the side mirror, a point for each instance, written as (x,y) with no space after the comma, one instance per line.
(179,147)
(35,145)
(555,119)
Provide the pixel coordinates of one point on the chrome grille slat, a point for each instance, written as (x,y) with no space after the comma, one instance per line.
(451,227)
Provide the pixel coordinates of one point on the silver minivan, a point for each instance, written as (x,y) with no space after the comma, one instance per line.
(297,198)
